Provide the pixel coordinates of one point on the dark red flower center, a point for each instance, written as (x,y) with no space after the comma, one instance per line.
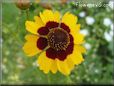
(58,39)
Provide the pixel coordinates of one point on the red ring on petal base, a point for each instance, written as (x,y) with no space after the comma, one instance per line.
(69,49)
(65,27)
(61,54)
(42,43)
(71,38)
(43,31)
(53,54)
(52,24)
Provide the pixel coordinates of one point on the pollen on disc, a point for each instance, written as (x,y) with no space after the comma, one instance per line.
(58,39)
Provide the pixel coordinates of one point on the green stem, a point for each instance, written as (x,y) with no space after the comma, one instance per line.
(27,14)
(48,78)
(69,80)
(18,26)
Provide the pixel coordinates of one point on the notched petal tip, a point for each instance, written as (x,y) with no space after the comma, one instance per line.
(27,37)
(82,60)
(30,47)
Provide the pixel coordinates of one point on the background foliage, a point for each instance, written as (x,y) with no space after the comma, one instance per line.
(17,68)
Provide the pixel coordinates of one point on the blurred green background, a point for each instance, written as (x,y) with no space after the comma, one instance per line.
(96,24)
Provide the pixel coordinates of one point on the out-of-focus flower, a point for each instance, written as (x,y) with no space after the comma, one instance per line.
(35,64)
(111,32)
(107,22)
(111,4)
(46,5)
(97,71)
(87,46)
(37,1)
(60,43)
(84,31)
(112,26)
(23,4)
(90,20)
(108,36)
(20,66)
(63,1)
(82,14)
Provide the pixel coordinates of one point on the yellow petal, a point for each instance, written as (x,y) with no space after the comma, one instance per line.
(76,56)
(54,66)
(70,63)
(38,21)
(56,16)
(48,15)
(31,38)
(80,48)
(70,20)
(78,38)
(62,67)
(76,27)
(32,26)
(44,62)
(30,47)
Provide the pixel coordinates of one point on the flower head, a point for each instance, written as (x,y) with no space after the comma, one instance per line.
(82,14)
(90,20)
(23,4)
(58,40)
(107,22)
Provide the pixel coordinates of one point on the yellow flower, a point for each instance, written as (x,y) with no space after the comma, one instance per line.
(58,39)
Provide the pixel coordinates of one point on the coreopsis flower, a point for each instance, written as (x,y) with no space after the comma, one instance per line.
(57,39)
